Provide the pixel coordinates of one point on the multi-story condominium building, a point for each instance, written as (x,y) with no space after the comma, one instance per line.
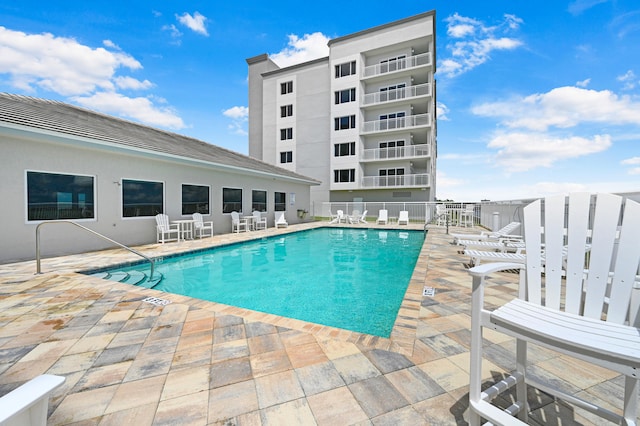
(362,120)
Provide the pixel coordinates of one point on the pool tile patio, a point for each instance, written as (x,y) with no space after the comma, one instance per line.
(192,362)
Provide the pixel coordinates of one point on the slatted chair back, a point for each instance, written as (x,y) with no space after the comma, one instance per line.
(589,256)
(162,220)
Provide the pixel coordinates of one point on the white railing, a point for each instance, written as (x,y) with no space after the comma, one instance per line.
(397,123)
(409,151)
(397,94)
(414,61)
(419,180)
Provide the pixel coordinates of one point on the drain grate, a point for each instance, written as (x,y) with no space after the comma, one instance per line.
(428,291)
(156,301)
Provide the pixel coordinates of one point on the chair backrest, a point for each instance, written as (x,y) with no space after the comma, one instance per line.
(340,213)
(404,215)
(197,220)
(280,217)
(589,256)
(162,220)
(257,215)
(235,217)
(383,214)
(508,229)
(440,209)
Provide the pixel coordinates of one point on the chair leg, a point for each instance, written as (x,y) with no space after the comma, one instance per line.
(521,385)
(631,389)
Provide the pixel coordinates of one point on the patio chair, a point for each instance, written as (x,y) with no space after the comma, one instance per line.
(403,217)
(238,224)
(466,216)
(28,404)
(164,230)
(363,217)
(442,215)
(584,309)
(280,220)
(504,232)
(200,227)
(259,222)
(505,245)
(339,217)
(383,217)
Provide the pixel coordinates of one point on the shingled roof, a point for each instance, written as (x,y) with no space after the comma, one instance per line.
(65,119)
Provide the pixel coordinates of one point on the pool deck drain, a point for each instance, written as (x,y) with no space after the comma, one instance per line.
(194,362)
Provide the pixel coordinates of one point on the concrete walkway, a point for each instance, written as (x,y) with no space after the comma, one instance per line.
(191,362)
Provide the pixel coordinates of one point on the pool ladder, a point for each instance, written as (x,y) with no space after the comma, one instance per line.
(38,271)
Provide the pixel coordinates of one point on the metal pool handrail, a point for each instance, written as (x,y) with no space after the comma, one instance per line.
(91,231)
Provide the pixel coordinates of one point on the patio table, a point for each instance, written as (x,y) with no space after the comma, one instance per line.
(185,227)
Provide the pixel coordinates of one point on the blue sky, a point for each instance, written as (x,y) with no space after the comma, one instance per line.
(534,98)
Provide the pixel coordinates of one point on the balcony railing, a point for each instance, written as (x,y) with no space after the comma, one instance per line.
(409,151)
(397,123)
(417,180)
(398,94)
(398,65)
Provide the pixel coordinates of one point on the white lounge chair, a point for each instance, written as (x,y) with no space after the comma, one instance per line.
(499,245)
(494,256)
(383,217)
(238,224)
(28,404)
(280,220)
(259,222)
(357,218)
(164,230)
(580,306)
(363,217)
(339,217)
(403,217)
(505,232)
(200,227)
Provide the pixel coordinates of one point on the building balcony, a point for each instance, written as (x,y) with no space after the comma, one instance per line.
(395,153)
(396,181)
(399,123)
(399,65)
(404,93)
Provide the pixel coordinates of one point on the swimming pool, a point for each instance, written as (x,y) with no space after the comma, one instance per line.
(347,278)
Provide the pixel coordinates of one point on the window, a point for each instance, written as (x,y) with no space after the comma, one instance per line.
(286,111)
(56,196)
(393,64)
(392,149)
(286,157)
(258,201)
(348,68)
(346,122)
(392,120)
(391,93)
(231,200)
(142,198)
(286,133)
(344,149)
(286,87)
(345,175)
(195,199)
(280,201)
(391,177)
(344,96)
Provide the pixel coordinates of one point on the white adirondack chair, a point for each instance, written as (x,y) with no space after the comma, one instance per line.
(582,305)
(27,405)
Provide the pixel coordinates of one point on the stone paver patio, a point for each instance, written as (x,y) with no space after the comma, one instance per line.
(192,362)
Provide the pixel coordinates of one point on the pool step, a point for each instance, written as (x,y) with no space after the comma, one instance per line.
(138,278)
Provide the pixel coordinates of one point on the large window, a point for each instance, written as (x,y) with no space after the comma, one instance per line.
(286,134)
(142,198)
(344,175)
(286,111)
(259,200)
(348,68)
(344,149)
(286,87)
(344,96)
(231,200)
(195,199)
(286,157)
(280,201)
(57,196)
(346,122)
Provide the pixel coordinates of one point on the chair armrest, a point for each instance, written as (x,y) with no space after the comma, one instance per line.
(489,268)
(30,393)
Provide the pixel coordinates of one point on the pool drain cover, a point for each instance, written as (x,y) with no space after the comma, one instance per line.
(156,301)
(428,291)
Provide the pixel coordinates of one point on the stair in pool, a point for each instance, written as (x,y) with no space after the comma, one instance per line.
(137,278)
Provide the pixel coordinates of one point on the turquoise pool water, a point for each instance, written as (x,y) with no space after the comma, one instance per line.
(347,278)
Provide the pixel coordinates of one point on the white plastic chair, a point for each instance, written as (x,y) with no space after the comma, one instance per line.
(579,305)
(259,222)
(238,224)
(442,215)
(403,217)
(502,233)
(466,216)
(280,220)
(202,228)
(164,230)
(27,405)
(383,217)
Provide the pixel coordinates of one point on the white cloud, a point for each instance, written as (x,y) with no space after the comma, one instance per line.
(563,107)
(298,50)
(629,79)
(132,83)
(140,108)
(441,111)
(633,161)
(239,116)
(195,23)
(583,83)
(175,33)
(519,152)
(475,42)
